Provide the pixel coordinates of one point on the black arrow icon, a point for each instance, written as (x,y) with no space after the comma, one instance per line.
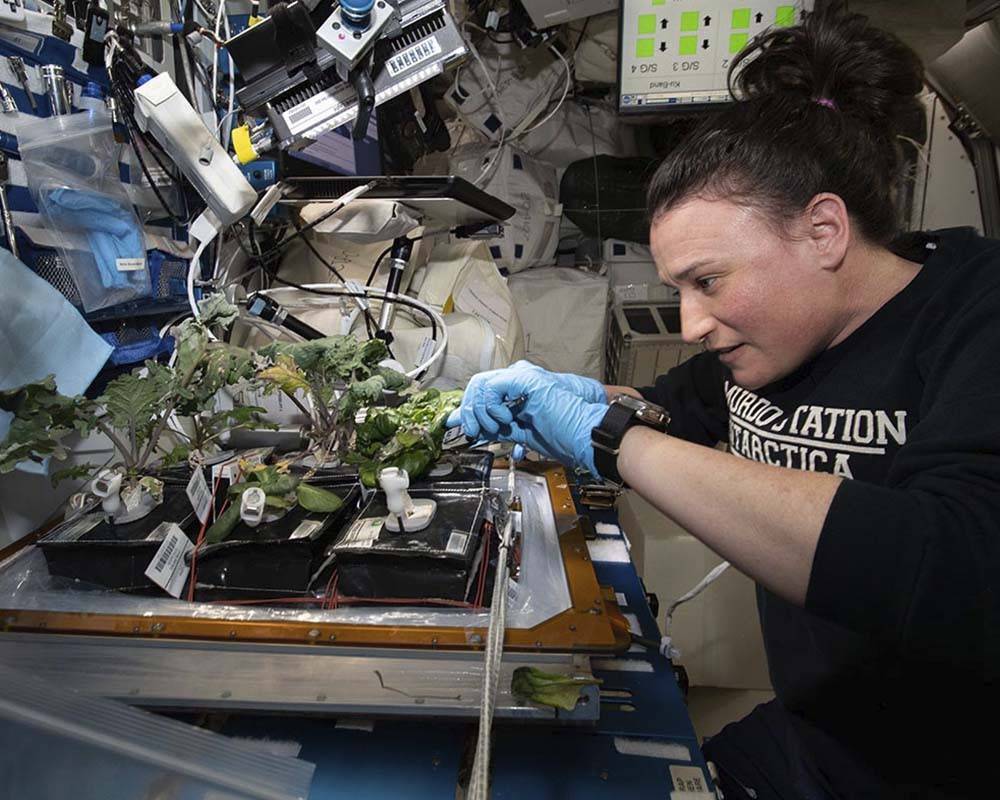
(708,21)
(663,24)
(663,47)
(760,18)
(704,44)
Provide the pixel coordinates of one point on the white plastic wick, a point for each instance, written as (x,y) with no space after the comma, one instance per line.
(107,485)
(405,513)
(252,505)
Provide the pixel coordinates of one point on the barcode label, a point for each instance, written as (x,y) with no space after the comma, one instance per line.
(412,56)
(199,495)
(168,569)
(363,532)
(306,529)
(457,542)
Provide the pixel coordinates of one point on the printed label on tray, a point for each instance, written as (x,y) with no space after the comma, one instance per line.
(688,779)
(306,529)
(168,569)
(78,527)
(199,495)
(363,532)
(457,542)
(159,533)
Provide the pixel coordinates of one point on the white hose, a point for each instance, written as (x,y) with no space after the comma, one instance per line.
(442,342)
(479,780)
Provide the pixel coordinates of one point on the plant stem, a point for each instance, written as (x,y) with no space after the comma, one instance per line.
(117,442)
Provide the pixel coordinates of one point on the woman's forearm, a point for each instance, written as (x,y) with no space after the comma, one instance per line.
(765,520)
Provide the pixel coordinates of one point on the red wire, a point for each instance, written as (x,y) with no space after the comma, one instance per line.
(201,538)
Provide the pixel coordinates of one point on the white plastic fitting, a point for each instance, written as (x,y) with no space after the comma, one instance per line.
(252,504)
(107,485)
(405,513)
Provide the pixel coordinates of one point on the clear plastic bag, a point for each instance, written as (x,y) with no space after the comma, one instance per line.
(71,164)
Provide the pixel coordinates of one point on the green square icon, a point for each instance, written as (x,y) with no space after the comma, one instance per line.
(784,16)
(659,2)
(647,24)
(689,21)
(741,18)
(644,48)
(737,41)
(689,46)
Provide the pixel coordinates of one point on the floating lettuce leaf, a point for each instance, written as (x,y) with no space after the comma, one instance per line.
(549,689)
(313,498)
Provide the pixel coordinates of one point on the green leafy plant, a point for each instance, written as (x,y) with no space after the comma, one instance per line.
(408,436)
(282,490)
(337,375)
(549,688)
(135,408)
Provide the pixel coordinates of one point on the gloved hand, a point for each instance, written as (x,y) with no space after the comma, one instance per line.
(546,417)
(490,407)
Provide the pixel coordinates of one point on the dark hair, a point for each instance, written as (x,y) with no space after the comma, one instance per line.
(819,108)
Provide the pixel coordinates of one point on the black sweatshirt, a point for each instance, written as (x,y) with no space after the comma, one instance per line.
(895,656)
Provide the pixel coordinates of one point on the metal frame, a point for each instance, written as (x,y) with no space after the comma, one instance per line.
(593,624)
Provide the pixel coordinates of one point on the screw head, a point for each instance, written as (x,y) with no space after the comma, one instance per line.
(158,627)
(226,694)
(333,637)
(357,35)
(321,697)
(476,638)
(336,26)
(314,633)
(572,627)
(232,634)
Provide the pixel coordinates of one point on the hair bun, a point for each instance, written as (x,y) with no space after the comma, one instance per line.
(837,56)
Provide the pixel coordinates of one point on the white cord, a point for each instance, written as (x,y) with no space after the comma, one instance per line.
(193,267)
(371,291)
(566,88)
(479,780)
(666,642)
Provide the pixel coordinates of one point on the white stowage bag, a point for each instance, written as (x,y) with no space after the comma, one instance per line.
(595,59)
(531,236)
(484,331)
(514,94)
(563,312)
(579,131)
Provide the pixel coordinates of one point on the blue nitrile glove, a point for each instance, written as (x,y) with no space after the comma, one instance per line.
(111,229)
(548,418)
(491,408)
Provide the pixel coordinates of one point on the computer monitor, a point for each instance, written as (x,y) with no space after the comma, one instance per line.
(674,55)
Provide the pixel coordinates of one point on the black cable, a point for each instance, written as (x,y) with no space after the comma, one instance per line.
(300,232)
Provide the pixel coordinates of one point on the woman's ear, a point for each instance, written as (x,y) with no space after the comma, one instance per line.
(828,229)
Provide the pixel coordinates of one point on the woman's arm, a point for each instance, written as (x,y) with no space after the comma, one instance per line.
(765,520)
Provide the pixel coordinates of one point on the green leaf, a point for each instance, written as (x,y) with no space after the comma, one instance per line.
(75,472)
(224,524)
(313,498)
(42,419)
(217,310)
(549,689)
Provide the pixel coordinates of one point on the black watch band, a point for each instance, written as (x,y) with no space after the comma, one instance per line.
(606,438)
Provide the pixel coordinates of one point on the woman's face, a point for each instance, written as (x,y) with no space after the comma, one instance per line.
(759,299)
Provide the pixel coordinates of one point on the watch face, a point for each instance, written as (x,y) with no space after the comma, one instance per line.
(646,412)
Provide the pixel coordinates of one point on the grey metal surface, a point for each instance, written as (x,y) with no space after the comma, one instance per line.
(299,678)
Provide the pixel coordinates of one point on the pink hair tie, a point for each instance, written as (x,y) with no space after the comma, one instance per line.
(826,102)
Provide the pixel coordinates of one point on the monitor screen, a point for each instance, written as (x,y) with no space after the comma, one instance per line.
(674,55)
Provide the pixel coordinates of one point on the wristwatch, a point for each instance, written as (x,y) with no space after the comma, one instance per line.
(623,412)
